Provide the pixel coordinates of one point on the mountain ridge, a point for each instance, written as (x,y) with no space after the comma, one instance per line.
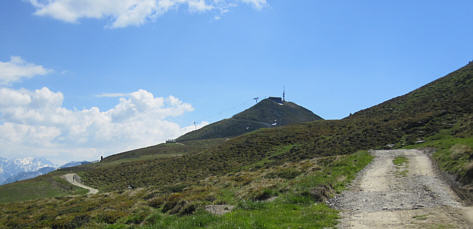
(270,112)
(11,169)
(29,167)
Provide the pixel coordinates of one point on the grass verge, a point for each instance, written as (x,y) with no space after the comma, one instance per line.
(41,187)
(453,155)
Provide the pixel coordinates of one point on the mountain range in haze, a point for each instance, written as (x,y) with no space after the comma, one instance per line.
(12,170)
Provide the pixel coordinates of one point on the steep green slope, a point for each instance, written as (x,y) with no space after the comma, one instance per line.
(267,113)
(443,104)
(38,188)
(447,98)
(187,147)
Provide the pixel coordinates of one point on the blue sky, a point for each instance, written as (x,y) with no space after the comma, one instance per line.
(213,57)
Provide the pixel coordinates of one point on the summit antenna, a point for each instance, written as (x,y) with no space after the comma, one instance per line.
(256,99)
(284,94)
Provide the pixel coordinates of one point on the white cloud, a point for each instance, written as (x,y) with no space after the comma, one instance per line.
(17,69)
(123,13)
(259,4)
(36,123)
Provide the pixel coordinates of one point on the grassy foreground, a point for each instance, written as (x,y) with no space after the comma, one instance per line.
(298,203)
(286,196)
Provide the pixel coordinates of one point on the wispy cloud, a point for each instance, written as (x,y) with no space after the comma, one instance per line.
(17,69)
(259,4)
(131,12)
(112,95)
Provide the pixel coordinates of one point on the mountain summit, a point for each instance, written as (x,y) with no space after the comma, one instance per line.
(270,112)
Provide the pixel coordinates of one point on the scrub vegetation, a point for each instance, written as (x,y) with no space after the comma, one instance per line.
(263,198)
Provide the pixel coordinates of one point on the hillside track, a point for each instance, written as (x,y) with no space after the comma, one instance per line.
(74,179)
(410,195)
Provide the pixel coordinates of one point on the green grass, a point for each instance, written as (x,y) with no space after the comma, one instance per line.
(453,154)
(420,217)
(280,215)
(166,149)
(293,209)
(403,173)
(297,204)
(41,187)
(401,166)
(336,173)
(118,162)
(272,155)
(268,215)
(400,160)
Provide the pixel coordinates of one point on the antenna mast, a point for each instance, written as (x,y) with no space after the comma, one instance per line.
(284,94)
(256,99)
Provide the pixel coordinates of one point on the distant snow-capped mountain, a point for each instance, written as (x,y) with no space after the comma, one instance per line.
(29,175)
(30,164)
(9,169)
(74,163)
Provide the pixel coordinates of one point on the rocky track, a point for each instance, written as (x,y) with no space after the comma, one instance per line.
(74,179)
(411,195)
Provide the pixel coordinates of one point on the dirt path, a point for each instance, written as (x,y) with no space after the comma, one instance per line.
(411,195)
(74,179)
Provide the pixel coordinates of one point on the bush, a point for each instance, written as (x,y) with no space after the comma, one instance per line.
(156,202)
(288,174)
(109,217)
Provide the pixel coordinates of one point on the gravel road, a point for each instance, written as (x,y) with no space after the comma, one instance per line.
(412,195)
(74,179)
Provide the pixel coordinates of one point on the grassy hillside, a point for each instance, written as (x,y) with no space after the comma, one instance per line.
(265,114)
(296,187)
(187,147)
(442,104)
(40,187)
(263,148)
(268,111)
(447,99)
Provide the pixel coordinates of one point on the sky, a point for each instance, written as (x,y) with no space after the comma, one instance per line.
(84,78)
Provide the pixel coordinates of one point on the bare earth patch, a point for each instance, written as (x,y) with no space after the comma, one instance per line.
(380,198)
(219,209)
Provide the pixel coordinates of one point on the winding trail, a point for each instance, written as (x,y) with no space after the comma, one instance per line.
(411,195)
(74,179)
